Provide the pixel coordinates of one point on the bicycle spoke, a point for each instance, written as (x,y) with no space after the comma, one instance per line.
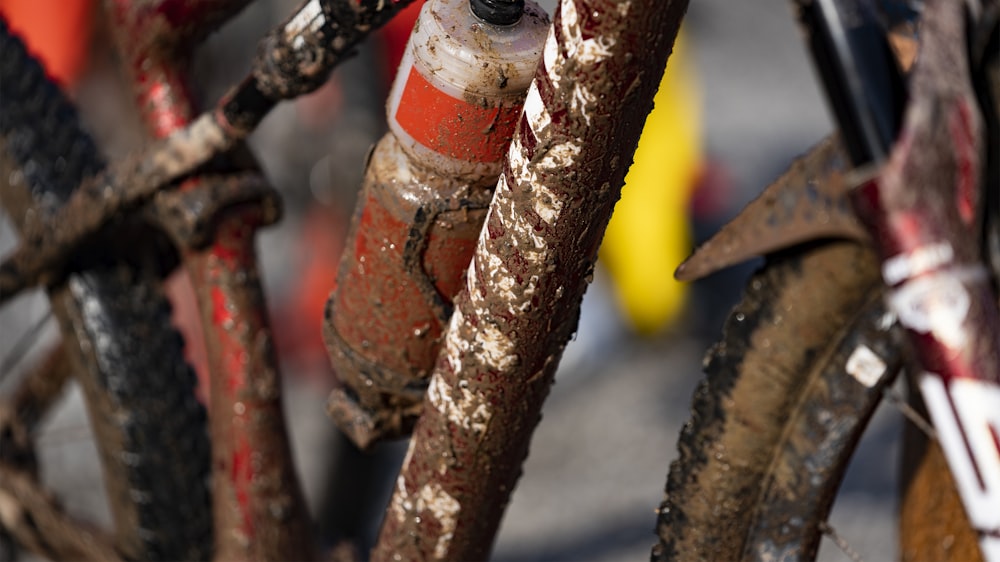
(34,394)
(840,541)
(909,412)
(31,515)
(65,435)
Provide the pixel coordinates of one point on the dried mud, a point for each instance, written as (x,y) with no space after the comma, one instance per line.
(530,268)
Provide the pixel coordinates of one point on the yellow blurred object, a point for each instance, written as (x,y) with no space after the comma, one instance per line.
(649,232)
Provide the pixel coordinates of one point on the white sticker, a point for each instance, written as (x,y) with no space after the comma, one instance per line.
(865,366)
(937,304)
(990,547)
(966,415)
(309,17)
(553,60)
(534,110)
(911,264)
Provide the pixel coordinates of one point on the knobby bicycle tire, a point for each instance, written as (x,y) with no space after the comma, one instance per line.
(778,416)
(115,322)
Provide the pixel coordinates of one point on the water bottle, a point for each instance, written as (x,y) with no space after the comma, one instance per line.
(452,109)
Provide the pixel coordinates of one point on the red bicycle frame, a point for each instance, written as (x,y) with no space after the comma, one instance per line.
(259,510)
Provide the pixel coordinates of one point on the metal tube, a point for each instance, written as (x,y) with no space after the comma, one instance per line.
(260,512)
(530,268)
(259,509)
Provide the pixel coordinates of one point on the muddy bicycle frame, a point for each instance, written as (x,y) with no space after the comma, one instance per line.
(602,63)
(920,154)
(561,178)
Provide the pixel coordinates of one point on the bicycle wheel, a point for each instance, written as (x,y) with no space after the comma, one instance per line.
(115,324)
(778,415)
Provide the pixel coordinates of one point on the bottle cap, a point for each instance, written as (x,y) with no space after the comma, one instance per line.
(461,84)
(498,12)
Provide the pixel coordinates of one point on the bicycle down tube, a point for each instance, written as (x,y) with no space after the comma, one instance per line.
(532,262)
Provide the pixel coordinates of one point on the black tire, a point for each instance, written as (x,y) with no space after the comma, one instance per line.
(115,321)
(778,416)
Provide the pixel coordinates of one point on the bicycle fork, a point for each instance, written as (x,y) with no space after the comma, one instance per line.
(919,177)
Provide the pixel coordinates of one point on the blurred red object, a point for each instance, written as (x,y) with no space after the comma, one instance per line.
(55,31)
(394,36)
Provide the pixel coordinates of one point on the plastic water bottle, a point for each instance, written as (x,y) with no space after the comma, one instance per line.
(452,109)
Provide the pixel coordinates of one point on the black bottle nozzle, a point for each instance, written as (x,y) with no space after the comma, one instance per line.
(498,12)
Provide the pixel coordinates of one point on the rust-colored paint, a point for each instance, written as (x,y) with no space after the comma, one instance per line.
(426,189)
(529,270)
(233,362)
(457,128)
(259,509)
(158,97)
(409,246)
(164,30)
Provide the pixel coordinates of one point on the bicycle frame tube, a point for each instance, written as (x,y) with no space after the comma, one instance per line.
(922,208)
(294,59)
(166,29)
(562,176)
(259,508)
